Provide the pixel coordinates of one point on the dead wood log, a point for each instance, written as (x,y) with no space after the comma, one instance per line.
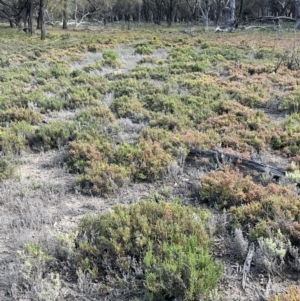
(222,157)
(247,264)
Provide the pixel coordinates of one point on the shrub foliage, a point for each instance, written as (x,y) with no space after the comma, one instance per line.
(159,249)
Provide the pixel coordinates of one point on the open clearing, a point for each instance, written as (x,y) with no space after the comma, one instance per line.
(90,120)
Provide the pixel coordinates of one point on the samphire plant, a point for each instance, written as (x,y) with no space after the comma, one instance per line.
(157,249)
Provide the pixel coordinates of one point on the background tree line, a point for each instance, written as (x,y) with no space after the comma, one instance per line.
(24,13)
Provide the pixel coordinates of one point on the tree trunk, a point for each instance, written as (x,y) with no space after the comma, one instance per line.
(42,20)
(297,17)
(139,13)
(38,26)
(232,11)
(30,16)
(65,14)
(241,8)
(218,11)
(75,13)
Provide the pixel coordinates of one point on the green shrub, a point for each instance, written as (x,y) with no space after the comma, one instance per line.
(128,107)
(93,66)
(34,271)
(80,96)
(110,55)
(143,49)
(151,161)
(95,115)
(125,87)
(20,114)
(58,70)
(12,142)
(103,179)
(291,102)
(159,249)
(111,58)
(81,153)
(263,210)
(124,154)
(140,72)
(56,134)
(6,167)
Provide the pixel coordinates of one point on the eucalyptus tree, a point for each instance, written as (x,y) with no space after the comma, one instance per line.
(42,19)
(65,14)
(12,11)
(200,10)
(102,8)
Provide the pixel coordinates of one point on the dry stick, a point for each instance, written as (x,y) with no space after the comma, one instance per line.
(247,264)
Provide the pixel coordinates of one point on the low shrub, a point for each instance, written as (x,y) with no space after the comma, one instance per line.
(20,114)
(96,115)
(143,49)
(262,210)
(80,96)
(34,271)
(111,58)
(128,107)
(11,142)
(81,153)
(161,250)
(6,167)
(94,66)
(56,134)
(293,294)
(101,178)
(151,161)
(125,87)
(58,70)
(49,104)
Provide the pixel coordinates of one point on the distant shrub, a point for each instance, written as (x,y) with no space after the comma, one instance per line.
(110,58)
(82,153)
(128,107)
(151,161)
(293,294)
(57,70)
(101,178)
(143,49)
(93,66)
(6,167)
(140,72)
(80,96)
(110,54)
(20,114)
(11,142)
(125,87)
(161,250)
(55,134)
(95,115)
(49,104)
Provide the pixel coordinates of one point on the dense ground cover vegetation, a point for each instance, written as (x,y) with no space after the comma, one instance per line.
(136,123)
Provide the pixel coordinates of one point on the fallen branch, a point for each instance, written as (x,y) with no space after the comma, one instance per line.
(219,29)
(222,157)
(254,27)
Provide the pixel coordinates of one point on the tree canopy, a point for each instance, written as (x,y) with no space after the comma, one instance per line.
(19,12)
